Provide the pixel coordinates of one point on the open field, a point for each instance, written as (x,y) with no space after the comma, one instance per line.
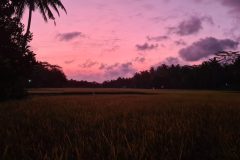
(89,91)
(121,124)
(115,91)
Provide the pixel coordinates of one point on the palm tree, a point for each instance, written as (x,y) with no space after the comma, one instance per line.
(44,7)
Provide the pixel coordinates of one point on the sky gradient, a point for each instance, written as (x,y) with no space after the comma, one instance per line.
(101,40)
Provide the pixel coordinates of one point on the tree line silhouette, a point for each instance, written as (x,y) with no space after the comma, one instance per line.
(220,72)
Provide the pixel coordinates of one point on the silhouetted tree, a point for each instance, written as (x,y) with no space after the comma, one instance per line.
(47,75)
(15,63)
(227,57)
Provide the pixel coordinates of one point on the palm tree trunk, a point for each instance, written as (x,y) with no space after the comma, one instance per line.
(24,45)
(29,22)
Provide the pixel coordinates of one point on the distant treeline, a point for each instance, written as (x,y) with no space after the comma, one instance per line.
(221,72)
(45,75)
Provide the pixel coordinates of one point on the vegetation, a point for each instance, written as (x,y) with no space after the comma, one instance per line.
(221,72)
(42,5)
(47,75)
(16,62)
(168,125)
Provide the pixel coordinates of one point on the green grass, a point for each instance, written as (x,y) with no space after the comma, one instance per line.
(166,125)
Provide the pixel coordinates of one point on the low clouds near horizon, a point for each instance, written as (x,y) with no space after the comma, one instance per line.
(170,61)
(88,64)
(206,47)
(107,71)
(118,70)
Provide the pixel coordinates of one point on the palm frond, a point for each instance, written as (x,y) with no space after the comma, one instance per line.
(60,5)
(45,7)
(55,8)
(20,9)
(43,11)
(48,10)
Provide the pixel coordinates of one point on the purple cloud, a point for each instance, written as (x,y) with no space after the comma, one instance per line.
(102,66)
(88,64)
(111,67)
(122,70)
(118,70)
(234,4)
(146,47)
(69,36)
(191,26)
(108,67)
(157,38)
(171,61)
(180,42)
(69,62)
(206,47)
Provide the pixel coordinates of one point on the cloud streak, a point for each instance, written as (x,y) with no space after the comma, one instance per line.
(180,42)
(69,36)
(157,38)
(88,64)
(146,47)
(69,62)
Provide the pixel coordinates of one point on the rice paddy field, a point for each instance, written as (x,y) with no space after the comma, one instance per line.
(119,124)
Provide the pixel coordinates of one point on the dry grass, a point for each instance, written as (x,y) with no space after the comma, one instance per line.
(171,125)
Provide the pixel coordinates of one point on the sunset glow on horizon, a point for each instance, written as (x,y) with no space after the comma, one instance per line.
(103,40)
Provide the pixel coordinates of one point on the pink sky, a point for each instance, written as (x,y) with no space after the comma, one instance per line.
(102,40)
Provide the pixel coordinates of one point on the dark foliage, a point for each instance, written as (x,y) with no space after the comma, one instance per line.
(15,61)
(221,72)
(47,75)
(82,84)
